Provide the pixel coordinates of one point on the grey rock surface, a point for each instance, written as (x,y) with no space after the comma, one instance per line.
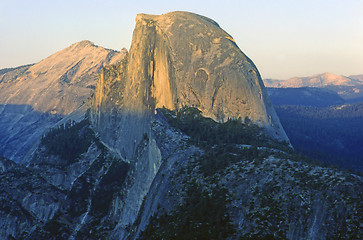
(27,200)
(269,197)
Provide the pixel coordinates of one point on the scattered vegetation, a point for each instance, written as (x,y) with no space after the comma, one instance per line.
(92,192)
(223,143)
(220,157)
(251,178)
(5,70)
(202,215)
(110,184)
(98,187)
(205,131)
(69,140)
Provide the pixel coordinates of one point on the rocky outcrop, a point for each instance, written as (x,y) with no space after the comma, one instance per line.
(35,97)
(27,200)
(58,197)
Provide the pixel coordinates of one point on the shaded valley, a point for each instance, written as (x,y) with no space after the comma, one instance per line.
(323,116)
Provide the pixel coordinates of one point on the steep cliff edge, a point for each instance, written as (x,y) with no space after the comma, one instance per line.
(184,59)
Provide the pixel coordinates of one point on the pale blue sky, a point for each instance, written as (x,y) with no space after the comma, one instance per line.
(284,38)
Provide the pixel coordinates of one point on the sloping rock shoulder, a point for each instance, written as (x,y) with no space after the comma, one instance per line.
(34,97)
(181,58)
(59,83)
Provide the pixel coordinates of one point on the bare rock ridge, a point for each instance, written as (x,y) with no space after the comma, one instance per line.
(34,97)
(184,59)
(61,82)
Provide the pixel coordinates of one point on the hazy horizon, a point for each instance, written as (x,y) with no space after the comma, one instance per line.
(283,38)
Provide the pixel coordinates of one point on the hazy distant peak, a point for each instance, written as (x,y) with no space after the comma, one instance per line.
(318,80)
(86,44)
(327,74)
(358,78)
(83,43)
(80,46)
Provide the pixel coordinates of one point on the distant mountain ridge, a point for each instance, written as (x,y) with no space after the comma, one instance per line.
(322,115)
(305,96)
(349,88)
(318,80)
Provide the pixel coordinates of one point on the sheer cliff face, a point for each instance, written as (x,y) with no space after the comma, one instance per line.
(181,58)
